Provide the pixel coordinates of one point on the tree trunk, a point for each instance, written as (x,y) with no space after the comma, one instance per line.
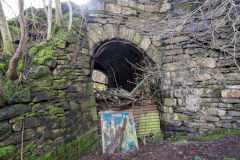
(49,20)
(70,15)
(12,73)
(45,8)
(6,36)
(58,13)
(1,96)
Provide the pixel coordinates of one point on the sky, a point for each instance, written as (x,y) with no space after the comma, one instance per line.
(11,6)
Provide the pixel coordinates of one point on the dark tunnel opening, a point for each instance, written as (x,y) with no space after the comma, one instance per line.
(118,60)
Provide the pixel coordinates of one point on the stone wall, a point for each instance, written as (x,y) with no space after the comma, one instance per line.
(199,90)
(55,103)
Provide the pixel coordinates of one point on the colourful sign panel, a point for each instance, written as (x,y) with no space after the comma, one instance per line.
(118,132)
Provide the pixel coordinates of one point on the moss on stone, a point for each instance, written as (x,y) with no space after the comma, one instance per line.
(42,52)
(217,133)
(8,90)
(28,147)
(75,149)
(5,151)
(55,110)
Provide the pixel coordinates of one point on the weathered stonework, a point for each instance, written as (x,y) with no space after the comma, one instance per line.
(198,91)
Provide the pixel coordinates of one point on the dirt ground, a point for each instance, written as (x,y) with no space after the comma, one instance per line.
(211,150)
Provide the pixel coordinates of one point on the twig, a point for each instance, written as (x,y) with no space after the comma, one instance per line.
(22,139)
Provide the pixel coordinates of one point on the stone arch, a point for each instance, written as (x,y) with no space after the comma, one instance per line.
(115,58)
(99,33)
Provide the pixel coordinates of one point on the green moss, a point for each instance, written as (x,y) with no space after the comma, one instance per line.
(4,60)
(5,151)
(31,115)
(42,52)
(20,66)
(8,88)
(12,21)
(217,133)
(75,149)
(220,133)
(29,146)
(55,110)
(69,70)
(2,67)
(186,6)
(15,29)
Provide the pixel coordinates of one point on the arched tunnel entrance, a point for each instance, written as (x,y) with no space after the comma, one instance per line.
(117,64)
(119,60)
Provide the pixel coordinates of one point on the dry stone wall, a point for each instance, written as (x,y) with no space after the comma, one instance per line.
(55,105)
(199,90)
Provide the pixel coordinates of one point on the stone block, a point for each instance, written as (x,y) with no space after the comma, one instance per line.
(215,112)
(17,126)
(32,122)
(180,117)
(140,6)
(133,4)
(170,101)
(167,109)
(146,42)
(234,113)
(181,57)
(20,97)
(230,93)
(224,105)
(165,7)
(151,8)
(232,76)
(172,123)
(128,11)
(123,2)
(167,116)
(177,39)
(233,87)
(12,111)
(207,62)
(40,71)
(192,100)
(209,118)
(137,38)
(113,8)
(42,96)
(227,125)
(16,138)
(5,130)
(172,66)
(203,77)
(173,52)
(109,31)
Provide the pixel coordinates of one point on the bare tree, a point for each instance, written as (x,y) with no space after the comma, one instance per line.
(7,40)
(12,73)
(70,15)
(49,19)
(58,13)
(45,8)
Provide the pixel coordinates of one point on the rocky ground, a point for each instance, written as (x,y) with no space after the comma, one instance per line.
(224,149)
